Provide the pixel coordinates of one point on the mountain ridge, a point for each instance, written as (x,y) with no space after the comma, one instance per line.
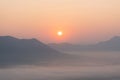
(14,51)
(112,44)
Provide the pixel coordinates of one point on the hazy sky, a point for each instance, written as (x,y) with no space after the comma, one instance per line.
(82,21)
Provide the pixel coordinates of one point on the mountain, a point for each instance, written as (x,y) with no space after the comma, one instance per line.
(15,51)
(112,44)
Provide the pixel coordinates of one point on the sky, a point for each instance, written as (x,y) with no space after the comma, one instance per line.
(81,21)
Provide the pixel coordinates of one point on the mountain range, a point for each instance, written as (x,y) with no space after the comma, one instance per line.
(112,44)
(14,51)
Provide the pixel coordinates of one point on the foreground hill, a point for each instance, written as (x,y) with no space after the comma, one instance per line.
(15,51)
(112,44)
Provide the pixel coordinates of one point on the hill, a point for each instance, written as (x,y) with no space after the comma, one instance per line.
(112,44)
(14,51)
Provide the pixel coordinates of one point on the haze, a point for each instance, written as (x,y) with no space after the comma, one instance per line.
(91,66)
(82,21)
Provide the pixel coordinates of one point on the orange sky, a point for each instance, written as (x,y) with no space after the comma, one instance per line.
(82,21)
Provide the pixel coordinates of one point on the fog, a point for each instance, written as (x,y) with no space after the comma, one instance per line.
(86,66)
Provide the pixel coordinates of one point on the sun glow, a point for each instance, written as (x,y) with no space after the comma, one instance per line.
(59,33)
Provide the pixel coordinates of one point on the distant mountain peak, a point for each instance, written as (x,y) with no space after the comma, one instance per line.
(62,44)
(115,38)
(8,37)
(112,44)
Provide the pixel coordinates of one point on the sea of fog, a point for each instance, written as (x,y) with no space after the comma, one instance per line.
(86,66)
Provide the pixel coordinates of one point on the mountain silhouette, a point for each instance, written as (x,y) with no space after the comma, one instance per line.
(112,44)
(15,51)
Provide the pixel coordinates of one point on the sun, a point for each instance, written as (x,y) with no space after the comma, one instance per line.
(59,33)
